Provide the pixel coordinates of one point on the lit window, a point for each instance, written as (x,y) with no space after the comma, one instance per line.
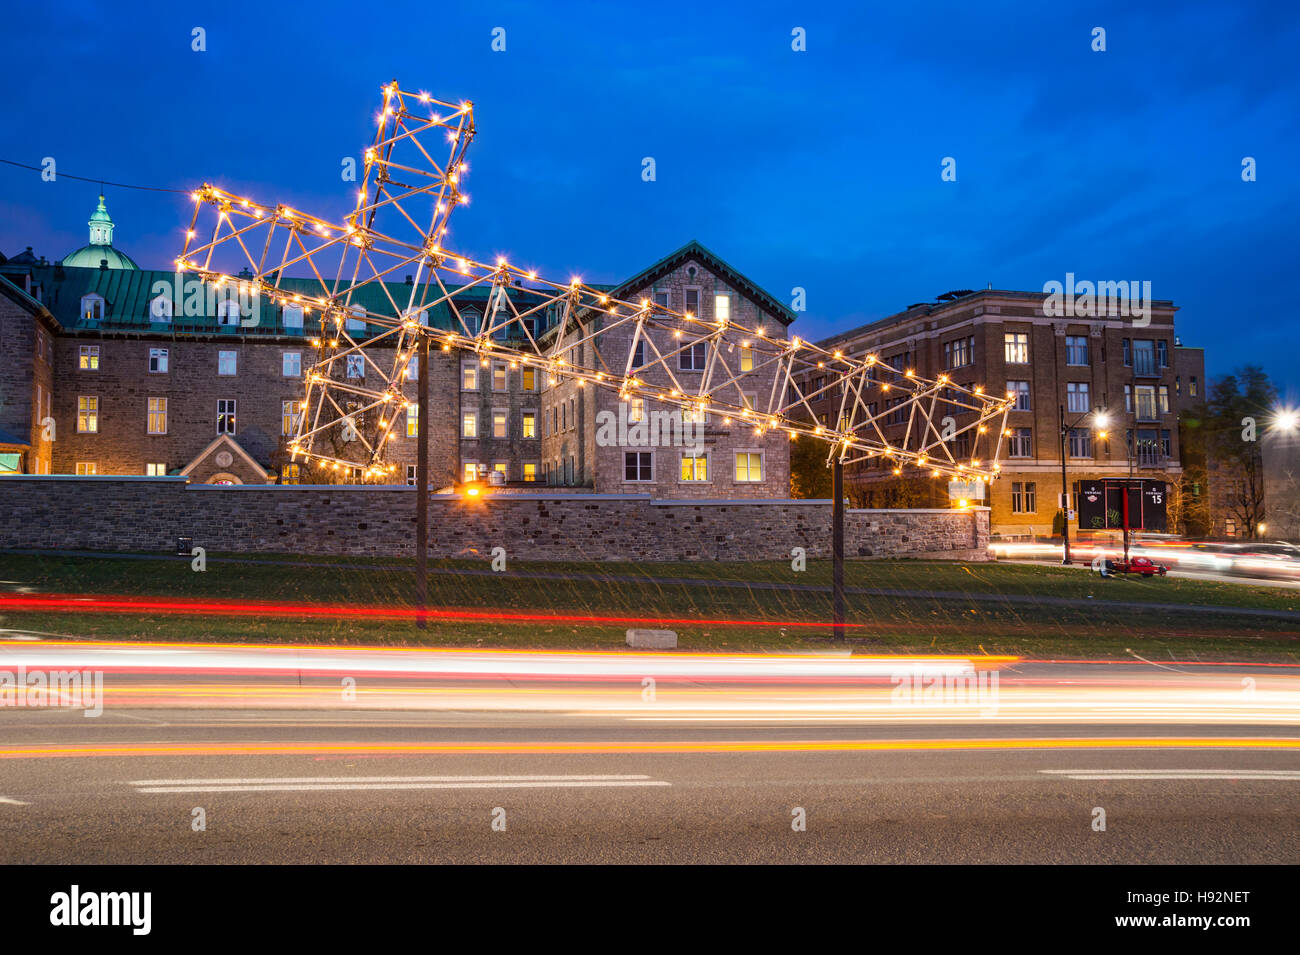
(469,376)
(86,467)
(695,467)
(88,358)
(92,308)
(412,421)
(721,308)
(530,424)
(356,366)
(88,414)
(529,379)
(290,411)
(291,473)
(469,424)
(155,470)
(471,471)
(158,360)
(747,359)
(1016,345)
(749,466)
(635,410)
(227,362)
(500,423)
(499,377)
(530,472)
(502,468)
(157,415)
(291,364)
(225,416)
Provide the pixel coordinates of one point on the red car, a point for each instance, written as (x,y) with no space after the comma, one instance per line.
(1136,565)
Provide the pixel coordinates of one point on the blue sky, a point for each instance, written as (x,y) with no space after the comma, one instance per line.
(818,169)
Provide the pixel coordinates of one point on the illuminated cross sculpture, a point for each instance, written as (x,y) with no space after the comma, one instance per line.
(415,194)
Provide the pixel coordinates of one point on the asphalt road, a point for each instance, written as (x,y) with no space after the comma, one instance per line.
(1189,765)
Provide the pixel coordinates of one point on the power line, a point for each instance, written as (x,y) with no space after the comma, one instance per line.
(102,182)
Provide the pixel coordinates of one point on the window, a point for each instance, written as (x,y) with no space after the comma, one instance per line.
(1080,443)
(92,310)
(1077,399)
(635,410)
(356,366)
(1146,403)
(1015,346)
(1128,353)
(86,467)
(1128,399)
(499,380)
(695,467)
(88,414)
(746,359)
(157,415)
(1178,384)
(158,361)
(88,358)
(530,424)
(412,421)
(1192,386)
(638,466)
(227,362)
(470,471)
(289,413)
(1021,391)
(225,416)
(1166,445)
(564,416)
(1162,353)
(500,424)
(291,473)
(691,358)
(1163,393)
(160,309)
(638,354)
(959,353)
(1024,497)
(573,413)
(469,376)
(555,419)
(291,364)
(1020,443)
(530,471)
(502,468)
(1144,357)
(292,316)
(661,299)
(469,424)
(749,466)
(155,470)
(412,370)
(228,312)
(695,416)
(1076,350)
(411,475)
(529,379)
(722,308)
(356,319)
(472,319)
(693,302)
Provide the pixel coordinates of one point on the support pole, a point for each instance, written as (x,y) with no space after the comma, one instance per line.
(1065,495)
(837,547)
(422,486)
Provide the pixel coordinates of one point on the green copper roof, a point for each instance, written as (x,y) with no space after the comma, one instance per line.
(89,257)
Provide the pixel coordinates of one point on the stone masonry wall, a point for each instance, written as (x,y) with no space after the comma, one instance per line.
(148,514)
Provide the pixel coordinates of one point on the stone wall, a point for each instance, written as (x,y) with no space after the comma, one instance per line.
(148,514)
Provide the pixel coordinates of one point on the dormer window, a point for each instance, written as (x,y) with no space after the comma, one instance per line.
(92,307)
(473,320)
(228,312)
(293,316)
(160,309)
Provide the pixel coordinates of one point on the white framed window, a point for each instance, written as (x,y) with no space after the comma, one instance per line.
(1024,497)
(411,475)
(1016,347)
(749,467)
(356,366)
(638,466)
(157,416)
(746,359)
(635,410)
(227,362)
(721,307)
(291,364)
(86,467)
(160,308)
(692,302)
(473,320)
(1020,391)
(158,361)
(1077,398)
(92,308)
(500,379)
(529,424)
(530,471)
(290,411)
(88,358)
(225,416)
(692,357)
(470,471)
(155,470)
(88,414)
(500,424)
(695,467)
(412,421)
(638,354)
(662,299)
(1076,350)
(469,424)
(292,316)
(469,376)
(228,312)
(412,371)
(1020,443)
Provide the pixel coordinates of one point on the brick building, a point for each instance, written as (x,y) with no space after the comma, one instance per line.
(1088,370)
(115,370)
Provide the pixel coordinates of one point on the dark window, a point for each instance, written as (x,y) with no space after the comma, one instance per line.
(637,465)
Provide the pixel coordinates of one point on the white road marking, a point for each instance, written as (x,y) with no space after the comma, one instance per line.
(13,802)
(345,783)
(1094,775)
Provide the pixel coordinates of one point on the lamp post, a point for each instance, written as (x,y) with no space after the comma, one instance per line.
(422,485)
(837,547)
(1100,421)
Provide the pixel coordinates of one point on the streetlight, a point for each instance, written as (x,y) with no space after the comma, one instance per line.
(1100,420)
